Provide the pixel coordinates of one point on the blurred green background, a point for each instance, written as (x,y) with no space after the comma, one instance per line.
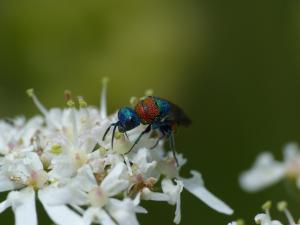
(232,65)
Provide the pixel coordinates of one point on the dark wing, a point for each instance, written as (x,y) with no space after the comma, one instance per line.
(179,116)
(171,112)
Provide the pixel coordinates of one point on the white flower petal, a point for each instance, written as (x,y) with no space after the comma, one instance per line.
(112,183)
(53,118)
(174,193)
(33,161)
(29,130)
(60,214)
(195,185)
(177,218)
(128,165)
(172,190)
(4,205)
(61,196)
(136,202)
(23,205)
(85,179)
(123,211)
(87,142)
(97,214)
(291,151)
(147,194)
(265,172)
(5,183)
(145,164)
(265,219)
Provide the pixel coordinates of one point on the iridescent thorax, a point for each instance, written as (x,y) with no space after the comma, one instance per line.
(152,109)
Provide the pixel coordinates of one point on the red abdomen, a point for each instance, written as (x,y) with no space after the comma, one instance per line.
(147,110)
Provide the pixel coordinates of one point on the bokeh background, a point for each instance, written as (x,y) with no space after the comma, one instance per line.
(233,66)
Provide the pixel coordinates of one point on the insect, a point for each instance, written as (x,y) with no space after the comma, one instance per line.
(154,112)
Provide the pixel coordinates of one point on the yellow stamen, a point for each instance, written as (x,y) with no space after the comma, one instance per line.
(281,206)
(70,103)
(56,149)
(149,92)
(82,102)
(267,205)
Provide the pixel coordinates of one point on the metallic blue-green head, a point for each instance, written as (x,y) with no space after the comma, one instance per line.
(128,119)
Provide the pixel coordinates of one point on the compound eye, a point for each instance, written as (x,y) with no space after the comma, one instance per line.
(130,120)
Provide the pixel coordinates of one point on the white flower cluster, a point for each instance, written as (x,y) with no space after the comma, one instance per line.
(60,158)
(267,171)
(265,217)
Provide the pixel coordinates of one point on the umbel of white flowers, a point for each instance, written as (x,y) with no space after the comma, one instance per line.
(267,171)
(265,217)
(60,158)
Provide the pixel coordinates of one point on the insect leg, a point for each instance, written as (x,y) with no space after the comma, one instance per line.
(148,128)
(126,135)
(113,136)
(158,140)
(107,130)
(172,146)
